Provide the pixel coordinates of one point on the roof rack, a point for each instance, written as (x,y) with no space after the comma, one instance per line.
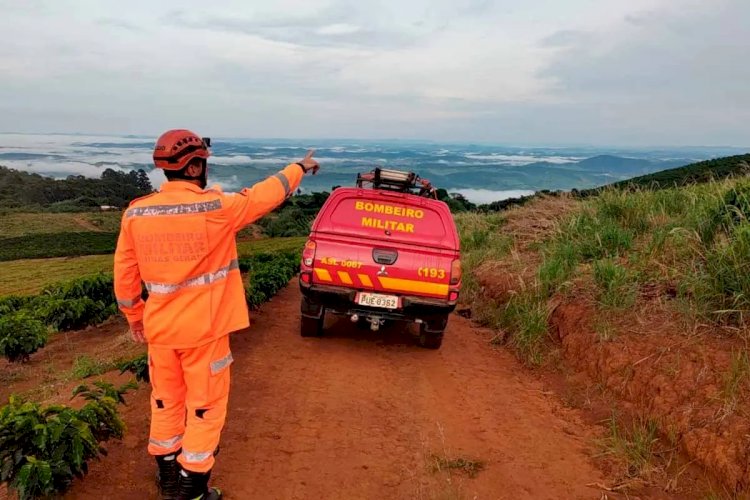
(396,180)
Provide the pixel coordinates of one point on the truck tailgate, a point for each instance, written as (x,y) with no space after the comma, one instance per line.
(371,265)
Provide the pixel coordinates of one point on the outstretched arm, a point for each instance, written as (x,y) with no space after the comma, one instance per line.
(252,203)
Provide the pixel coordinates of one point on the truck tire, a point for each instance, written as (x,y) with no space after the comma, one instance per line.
(431,332)
(430,340)
(312,327)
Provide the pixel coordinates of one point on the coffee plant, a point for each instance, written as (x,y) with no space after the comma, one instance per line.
(137,366)
(267,274)
(99,288)
(12,303)
(43,448)
(21,335)
(68,314)
(71,305)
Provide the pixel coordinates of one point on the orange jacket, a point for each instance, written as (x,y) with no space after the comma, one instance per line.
(180,242)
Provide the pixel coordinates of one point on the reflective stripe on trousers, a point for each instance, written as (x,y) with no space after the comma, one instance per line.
(220,364)
(195,457)
(166,443)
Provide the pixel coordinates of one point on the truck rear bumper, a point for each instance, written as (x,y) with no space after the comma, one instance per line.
(340,300)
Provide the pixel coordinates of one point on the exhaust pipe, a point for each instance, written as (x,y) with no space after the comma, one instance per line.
(354,318)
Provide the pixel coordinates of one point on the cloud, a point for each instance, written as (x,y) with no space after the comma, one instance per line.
(616,72)
(60,169)
(666,73)
(338,29)
(488,196)
(119,23)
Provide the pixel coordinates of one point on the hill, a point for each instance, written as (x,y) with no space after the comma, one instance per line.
(694,173)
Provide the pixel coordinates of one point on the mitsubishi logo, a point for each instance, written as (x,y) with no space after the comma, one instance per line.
(382,271)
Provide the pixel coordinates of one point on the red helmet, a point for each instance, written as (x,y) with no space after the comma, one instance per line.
(175,148)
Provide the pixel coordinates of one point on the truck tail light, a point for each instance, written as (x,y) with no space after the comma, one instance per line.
(308,254)
(305,277)
(456,272)
(453,296)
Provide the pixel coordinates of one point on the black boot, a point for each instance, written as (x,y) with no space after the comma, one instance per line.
(194,486)
(168,475)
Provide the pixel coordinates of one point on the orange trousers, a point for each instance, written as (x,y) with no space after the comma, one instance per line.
(190,391)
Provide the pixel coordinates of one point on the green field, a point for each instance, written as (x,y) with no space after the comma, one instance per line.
(29,276)
(23,224)
(49,245)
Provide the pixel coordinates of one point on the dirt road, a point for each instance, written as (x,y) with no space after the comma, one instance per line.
(360,415)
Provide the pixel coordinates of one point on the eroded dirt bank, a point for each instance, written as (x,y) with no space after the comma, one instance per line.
(681,381)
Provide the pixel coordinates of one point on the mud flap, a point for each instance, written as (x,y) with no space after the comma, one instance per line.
(436,324)
(311,309)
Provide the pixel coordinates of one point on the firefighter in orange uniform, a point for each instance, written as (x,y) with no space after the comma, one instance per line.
(180,242)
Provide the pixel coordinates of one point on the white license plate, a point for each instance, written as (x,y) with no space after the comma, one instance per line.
(377,300)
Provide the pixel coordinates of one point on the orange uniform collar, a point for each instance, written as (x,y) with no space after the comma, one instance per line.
(180,186)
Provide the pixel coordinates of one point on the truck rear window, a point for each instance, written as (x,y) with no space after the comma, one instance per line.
(358,216)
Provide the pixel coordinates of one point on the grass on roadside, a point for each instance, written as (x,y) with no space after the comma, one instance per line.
(635,446)
(734,382)
(467,466)
(694,240)
(614,284)
(482,239)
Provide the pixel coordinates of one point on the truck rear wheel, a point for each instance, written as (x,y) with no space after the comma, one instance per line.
(431,332)
(312,327)
(430,340)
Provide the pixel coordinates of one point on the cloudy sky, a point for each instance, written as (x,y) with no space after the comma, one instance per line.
(544,72)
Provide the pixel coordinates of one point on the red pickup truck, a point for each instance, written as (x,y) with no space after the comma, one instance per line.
(384,250)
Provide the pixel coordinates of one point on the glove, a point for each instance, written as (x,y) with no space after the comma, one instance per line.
(308,164)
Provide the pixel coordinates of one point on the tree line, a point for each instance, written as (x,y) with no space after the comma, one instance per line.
(29,191)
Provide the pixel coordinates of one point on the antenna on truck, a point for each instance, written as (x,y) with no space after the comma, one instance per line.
(396,180)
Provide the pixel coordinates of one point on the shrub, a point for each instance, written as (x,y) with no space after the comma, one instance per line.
(268,273)
(99,287)
(43,449)
(69,305)
(21,335)
(100,413)
(137,366)
(67,314)
(12,303)
(290,221)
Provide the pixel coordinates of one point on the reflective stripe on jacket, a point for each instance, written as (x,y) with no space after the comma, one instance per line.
(180,242)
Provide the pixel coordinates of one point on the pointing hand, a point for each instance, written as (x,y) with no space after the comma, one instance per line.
(308,163)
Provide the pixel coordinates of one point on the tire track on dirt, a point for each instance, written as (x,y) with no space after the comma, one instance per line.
(357,414)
